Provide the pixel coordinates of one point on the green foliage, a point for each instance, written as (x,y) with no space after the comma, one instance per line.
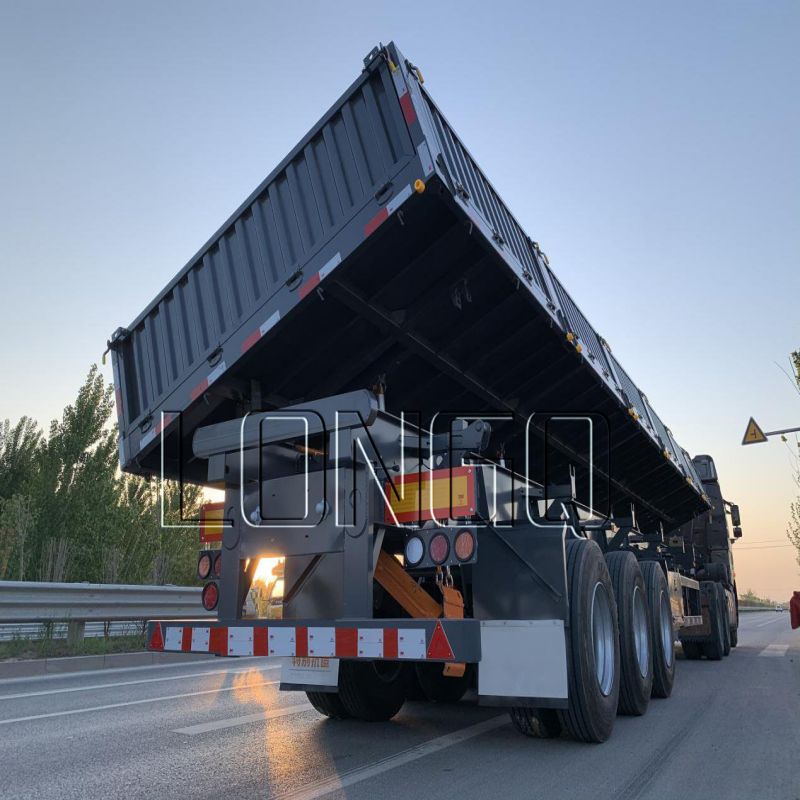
(67,513)
(750,598)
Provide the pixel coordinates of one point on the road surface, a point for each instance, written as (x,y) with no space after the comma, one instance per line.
(221,729)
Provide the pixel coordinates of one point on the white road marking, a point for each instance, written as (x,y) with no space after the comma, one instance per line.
(111,671)
(133,703)
(769,622)
(95,686)
(338,782)
(233,722)
(774,650)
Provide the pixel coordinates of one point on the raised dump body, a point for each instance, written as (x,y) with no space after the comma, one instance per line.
(378,252)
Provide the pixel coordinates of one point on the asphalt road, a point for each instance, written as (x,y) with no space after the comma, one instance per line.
(221,729)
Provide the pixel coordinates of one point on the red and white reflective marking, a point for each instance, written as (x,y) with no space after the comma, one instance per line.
(301,641)
(387,210)
(406,104)
(425,157)
(262,330)
(212,376)
(166,421)
(315,280)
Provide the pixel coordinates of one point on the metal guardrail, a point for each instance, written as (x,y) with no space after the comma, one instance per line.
(79,603)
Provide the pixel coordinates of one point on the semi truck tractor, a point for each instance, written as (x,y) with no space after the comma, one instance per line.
(381,371)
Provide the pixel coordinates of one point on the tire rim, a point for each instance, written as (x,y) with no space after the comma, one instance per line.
(665,622)
(641,640)
(602,638)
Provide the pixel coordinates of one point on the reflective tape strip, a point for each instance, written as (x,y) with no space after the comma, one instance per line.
(299,641)
(411,643)
(324,271)
(240,641)
(261,330)
(406,104)
(212,376)
(309,286)
(166,421)
(425,157)
(408,108)
(388,209)
(399,199)
(322,642)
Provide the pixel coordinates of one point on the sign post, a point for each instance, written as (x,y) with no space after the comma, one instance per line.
(753,434)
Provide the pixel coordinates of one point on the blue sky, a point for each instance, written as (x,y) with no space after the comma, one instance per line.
(652,149)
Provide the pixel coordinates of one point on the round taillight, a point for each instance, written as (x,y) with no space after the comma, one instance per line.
(204,566)
(218,565)
(415,549)
(210,596)
(439,548)
(464,545)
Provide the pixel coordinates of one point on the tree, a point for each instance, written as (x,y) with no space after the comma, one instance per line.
(67,513)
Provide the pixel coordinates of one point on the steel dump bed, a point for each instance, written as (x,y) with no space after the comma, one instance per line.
(379,251)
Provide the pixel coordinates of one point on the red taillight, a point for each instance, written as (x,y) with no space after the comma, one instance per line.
(439,548)
(210,596)
(218,565)
(464,545)
(204,566)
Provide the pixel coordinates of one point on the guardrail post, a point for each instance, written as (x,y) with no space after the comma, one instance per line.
(75,631)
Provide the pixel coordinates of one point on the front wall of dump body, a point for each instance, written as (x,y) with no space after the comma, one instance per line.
(441,292)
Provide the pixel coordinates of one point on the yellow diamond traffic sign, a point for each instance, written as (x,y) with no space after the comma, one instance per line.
(753,434)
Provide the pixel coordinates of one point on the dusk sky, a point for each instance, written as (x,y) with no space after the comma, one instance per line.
(651,148)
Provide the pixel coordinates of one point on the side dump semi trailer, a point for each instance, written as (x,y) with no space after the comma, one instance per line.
(397,395)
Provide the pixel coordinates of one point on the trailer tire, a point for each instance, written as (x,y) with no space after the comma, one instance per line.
(714,645)
(329,704)
(372,691)
(636,655)
(593,671)
(692,650)
(663,639)
(726,627)
(734,636)
(437,687)
(540,723)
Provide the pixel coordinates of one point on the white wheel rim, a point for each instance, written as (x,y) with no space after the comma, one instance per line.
(665,623)
(641,640)
(602,638)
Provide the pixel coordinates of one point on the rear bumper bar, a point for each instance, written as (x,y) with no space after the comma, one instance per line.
(442,640)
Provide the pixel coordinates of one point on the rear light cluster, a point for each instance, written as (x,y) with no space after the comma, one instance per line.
(439,547)
(209,566)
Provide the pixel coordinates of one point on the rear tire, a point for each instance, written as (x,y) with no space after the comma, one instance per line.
(541,723)
(593,659)
(661,626)
(329,704)
(636,655)
(726,628)
(372,691)
(437,687)
(734,636)
(714,645)
(692,650)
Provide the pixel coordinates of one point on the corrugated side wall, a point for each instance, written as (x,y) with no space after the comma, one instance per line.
(335,171)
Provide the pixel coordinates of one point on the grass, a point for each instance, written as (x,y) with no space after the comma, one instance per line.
(17,649)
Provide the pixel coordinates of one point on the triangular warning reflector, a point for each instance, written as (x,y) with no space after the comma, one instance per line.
(156,638)
(753,433)
(440,646)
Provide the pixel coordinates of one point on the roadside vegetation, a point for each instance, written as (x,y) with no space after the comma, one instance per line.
(49,647)
(750,599)
(67,513)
